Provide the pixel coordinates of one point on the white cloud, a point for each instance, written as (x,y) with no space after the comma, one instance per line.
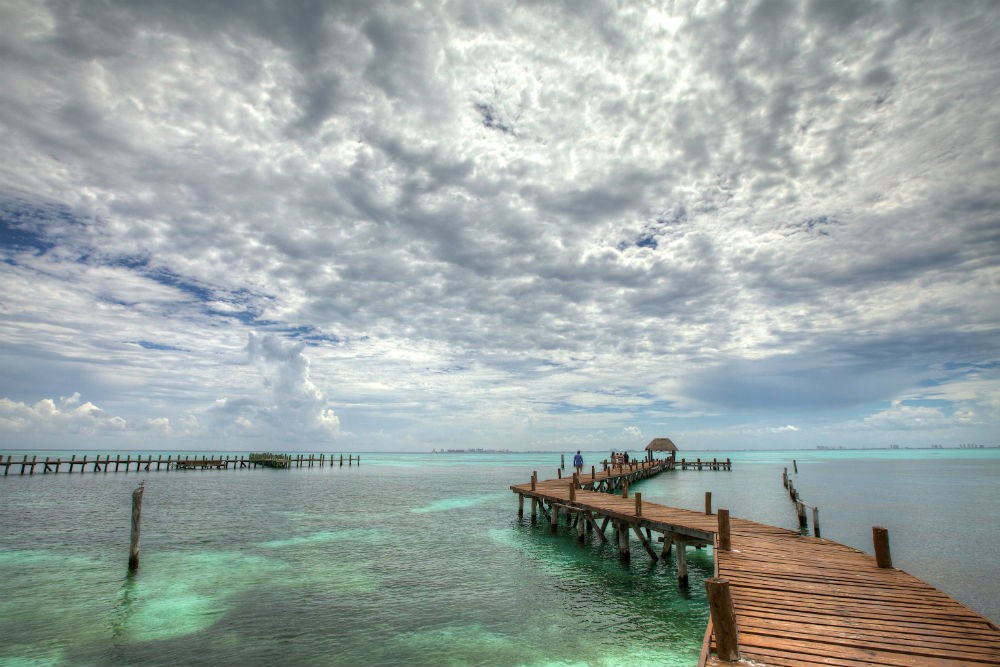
(67,415)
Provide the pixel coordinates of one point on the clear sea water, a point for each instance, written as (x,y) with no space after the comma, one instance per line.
(420,559)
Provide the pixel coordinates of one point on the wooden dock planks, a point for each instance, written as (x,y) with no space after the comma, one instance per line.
(805,601)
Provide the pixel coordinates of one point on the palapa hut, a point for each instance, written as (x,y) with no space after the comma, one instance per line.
(661,445)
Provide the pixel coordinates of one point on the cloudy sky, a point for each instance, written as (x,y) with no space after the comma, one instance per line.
(359,225)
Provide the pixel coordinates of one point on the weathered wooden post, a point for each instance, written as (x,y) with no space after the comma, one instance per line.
(558,473)
(795,466)
(593,472)
(520,505)
(562,461)
(623,545)
(572,492)
(682,563)
(708,502)
(625,489)
(800,509)
(720,603)
(668,542)
(816,521)
(534,479)
(724,540)
(638,504)
(880,536)
(133,551)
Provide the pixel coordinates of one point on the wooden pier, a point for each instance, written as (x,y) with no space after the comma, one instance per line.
(784,598)
(137,463)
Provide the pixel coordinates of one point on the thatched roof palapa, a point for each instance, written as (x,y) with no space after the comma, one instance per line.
(661,445)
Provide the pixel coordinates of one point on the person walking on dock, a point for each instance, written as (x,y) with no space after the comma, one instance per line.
(578,462)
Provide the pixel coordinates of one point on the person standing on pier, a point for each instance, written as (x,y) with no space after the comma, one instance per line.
(578,462)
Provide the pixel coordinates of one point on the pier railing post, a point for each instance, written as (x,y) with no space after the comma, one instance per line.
(133,551)
(880,537)
(638,504)
(534,479)
(724,540)
(720,603)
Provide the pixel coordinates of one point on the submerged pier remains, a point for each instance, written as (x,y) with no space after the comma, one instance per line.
(87,463)
(778,597)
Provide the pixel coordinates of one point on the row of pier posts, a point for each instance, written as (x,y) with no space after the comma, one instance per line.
(149,463)
(800,505)
(880,535)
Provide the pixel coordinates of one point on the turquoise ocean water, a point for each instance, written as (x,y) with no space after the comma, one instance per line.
(420,559)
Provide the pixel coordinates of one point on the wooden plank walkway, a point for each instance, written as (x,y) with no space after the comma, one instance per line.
(799,601)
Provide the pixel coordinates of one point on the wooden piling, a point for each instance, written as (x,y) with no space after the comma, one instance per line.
(725,543)
(668,542)
(880,538)
(708,502)
(638,504)
(720,603)
(623,545)
(682,564)
(816,521)
(133,552)
(800,510)
(534,479)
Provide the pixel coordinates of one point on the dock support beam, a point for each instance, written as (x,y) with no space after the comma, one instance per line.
(720,602)
(880,536)
(682,561)
(623,547)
